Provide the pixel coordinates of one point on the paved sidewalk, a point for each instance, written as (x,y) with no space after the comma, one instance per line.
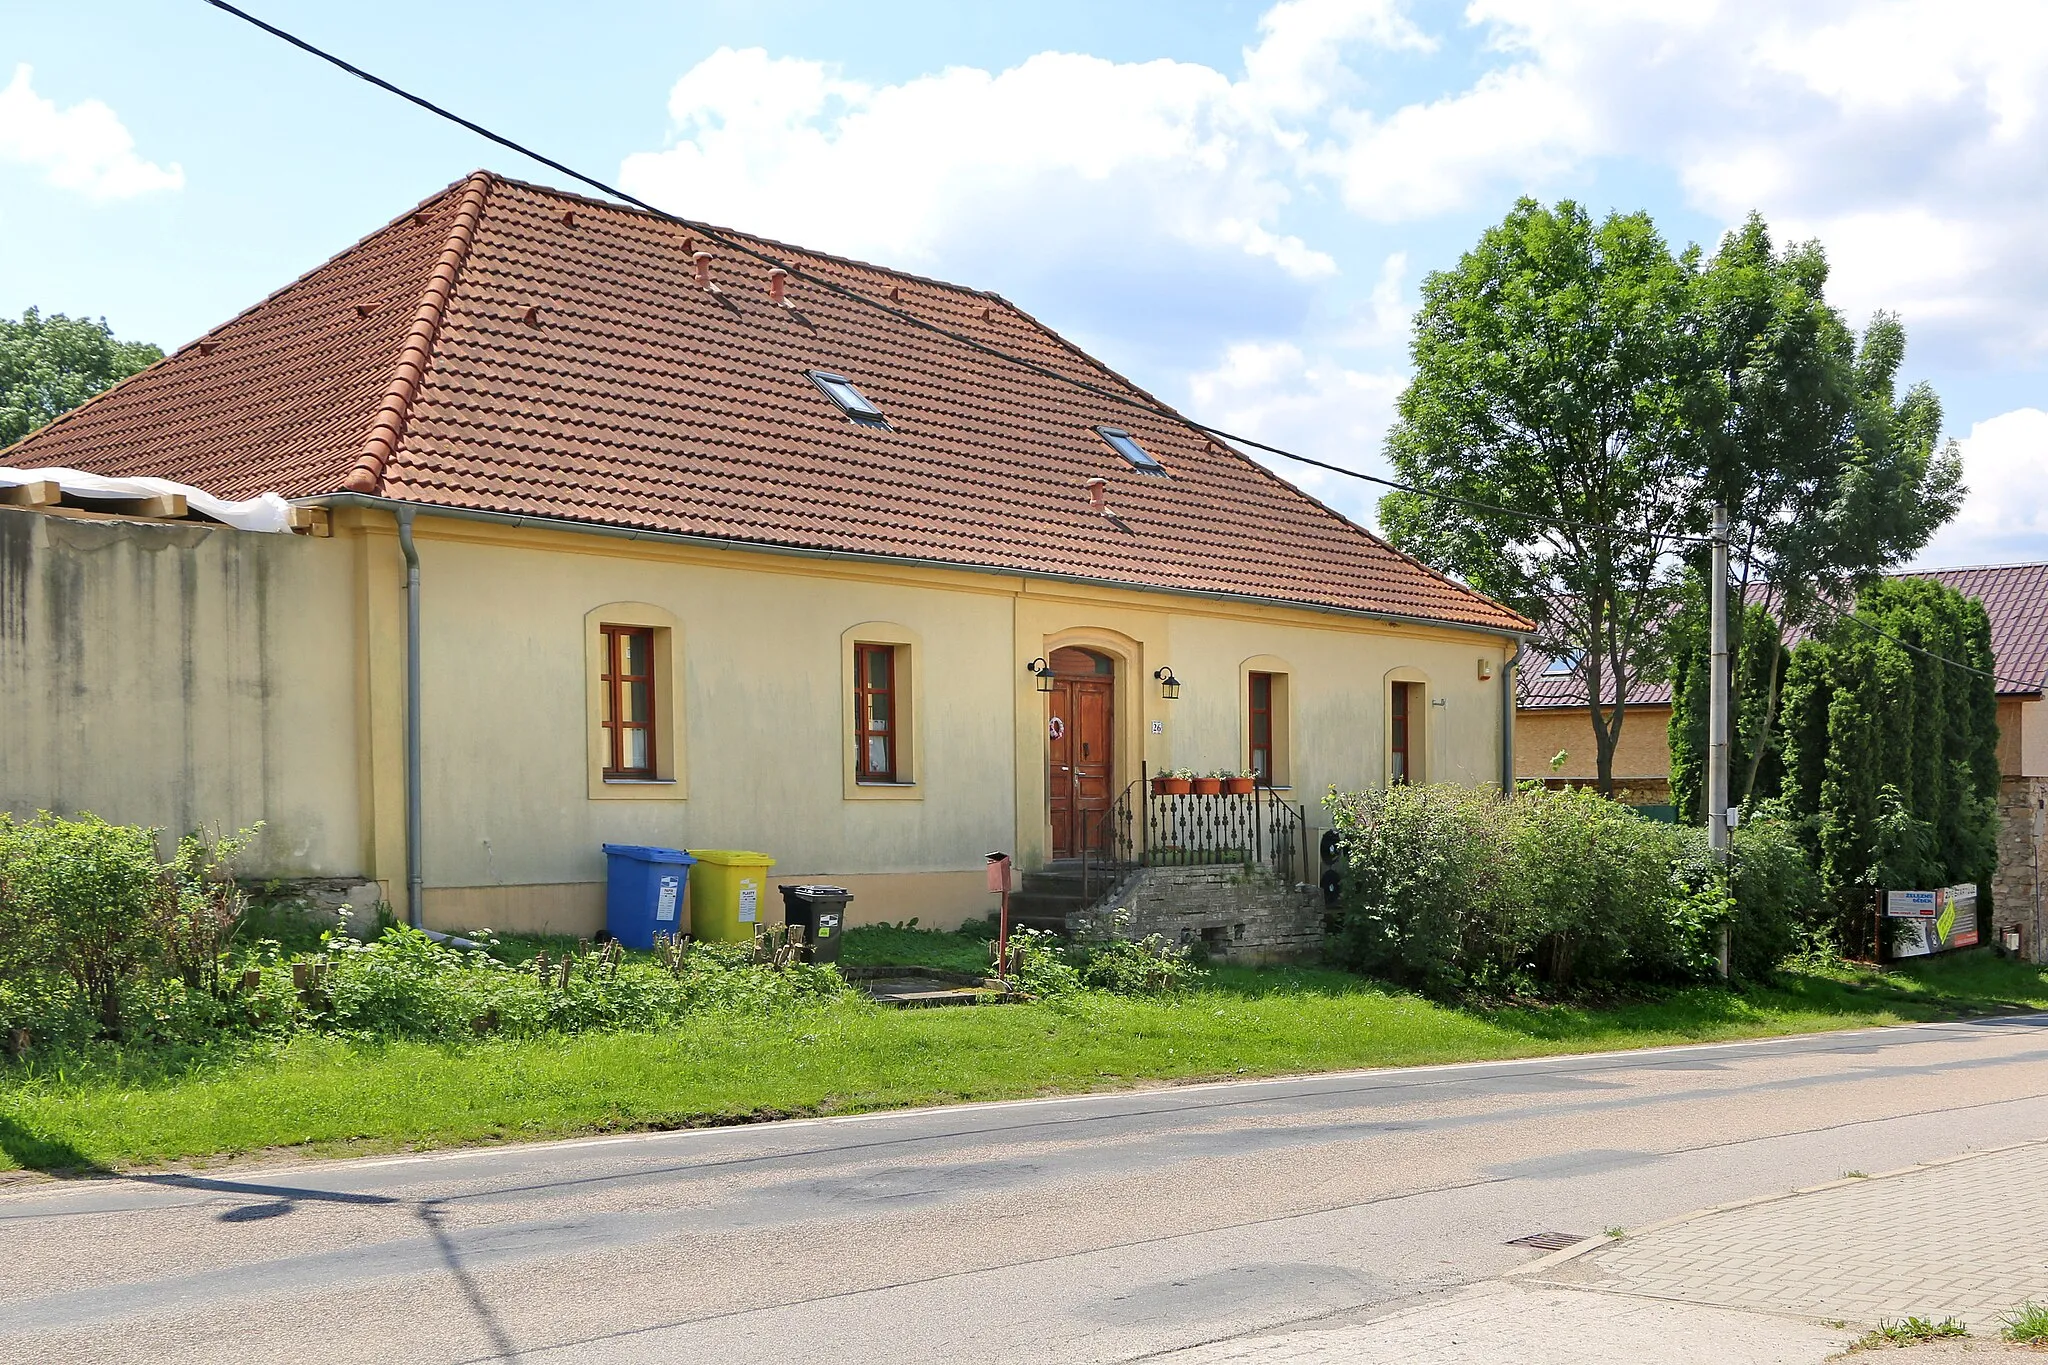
(1503,1322)
(1783,1280)
(1967,1238)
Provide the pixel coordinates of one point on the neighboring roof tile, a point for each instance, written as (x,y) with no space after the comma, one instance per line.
(2015,598)
(574,369)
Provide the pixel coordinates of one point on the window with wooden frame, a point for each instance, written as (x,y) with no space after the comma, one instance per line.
(874,711)
(1399,770)
(628,702)
(1261,727)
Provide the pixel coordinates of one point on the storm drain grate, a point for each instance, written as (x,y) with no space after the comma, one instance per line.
(1549,1241)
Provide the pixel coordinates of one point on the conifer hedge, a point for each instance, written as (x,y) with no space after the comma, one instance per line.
(1890,755)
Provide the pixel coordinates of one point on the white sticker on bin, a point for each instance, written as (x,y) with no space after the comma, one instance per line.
(665,907)
(750,903)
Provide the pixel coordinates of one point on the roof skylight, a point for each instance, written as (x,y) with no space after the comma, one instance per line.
(849,399)
(1126,445)
(1562,664)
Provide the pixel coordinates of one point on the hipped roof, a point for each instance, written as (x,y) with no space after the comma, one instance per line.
(513,349)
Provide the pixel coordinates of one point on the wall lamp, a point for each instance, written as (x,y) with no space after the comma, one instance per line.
(1042,671)
(1169,686)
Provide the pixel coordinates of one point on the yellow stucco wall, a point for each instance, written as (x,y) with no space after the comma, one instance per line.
(205,675)
(762,643)
(179,675)
(1642,751)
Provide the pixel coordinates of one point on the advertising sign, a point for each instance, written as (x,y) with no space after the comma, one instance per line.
(1926,922)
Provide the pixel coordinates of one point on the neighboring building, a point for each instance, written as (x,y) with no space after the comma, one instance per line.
(709,556)
(1551,717)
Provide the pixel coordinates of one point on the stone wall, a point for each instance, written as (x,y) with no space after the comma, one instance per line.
(2016,885)
(1238,912)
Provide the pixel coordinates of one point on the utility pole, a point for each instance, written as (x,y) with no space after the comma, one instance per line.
(1717,712)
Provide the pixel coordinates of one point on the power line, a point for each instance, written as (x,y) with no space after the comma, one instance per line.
(1156,409)
(975,344)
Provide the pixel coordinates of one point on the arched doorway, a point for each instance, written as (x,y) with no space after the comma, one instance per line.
(1081,750)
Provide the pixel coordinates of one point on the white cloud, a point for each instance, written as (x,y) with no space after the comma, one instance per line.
(1907,135)
(1058,151)
(1311,404)
(84,148)
(2005,516)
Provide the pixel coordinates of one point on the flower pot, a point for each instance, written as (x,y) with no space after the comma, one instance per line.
(1239,786)
(1208,786)
(1169,786)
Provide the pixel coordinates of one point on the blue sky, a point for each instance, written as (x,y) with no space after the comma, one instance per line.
(1232,202)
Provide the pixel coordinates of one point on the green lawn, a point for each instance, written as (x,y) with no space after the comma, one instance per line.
(330,1097)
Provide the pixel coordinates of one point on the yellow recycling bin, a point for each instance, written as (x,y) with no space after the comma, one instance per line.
(728,894)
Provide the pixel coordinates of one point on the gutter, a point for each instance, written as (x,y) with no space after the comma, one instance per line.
(1507,717)
(415,875)
(405,510)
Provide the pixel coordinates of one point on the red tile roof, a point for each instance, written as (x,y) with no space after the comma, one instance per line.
(515,349)
(2015,598)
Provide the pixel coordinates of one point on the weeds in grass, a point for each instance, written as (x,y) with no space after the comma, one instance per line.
(1910,1331)
(2027,1323)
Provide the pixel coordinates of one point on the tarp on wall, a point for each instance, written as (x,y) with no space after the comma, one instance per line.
(265,512)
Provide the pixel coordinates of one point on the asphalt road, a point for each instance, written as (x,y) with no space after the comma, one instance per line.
(1095,1228)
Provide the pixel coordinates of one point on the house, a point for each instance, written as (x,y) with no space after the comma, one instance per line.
(1550,718)
(712,542)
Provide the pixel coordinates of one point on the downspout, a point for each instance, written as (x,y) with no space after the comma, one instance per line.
(415,876)
(1507,720)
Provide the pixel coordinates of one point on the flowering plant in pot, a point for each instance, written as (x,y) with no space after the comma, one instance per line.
(1172,783)
(1212,785)
(1240,783)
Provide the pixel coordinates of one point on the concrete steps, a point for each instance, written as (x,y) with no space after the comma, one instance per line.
(1044,899)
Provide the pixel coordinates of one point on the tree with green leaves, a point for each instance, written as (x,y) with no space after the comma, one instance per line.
(1550,414)
(49,366)
(1831,477)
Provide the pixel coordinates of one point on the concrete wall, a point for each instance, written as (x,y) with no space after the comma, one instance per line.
(178,675)
(1238,912)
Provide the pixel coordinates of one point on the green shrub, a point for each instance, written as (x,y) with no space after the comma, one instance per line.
(1778,905)
(404,984)
(1147,966)
(81,899)
(1425,898)
(1612,894)
(1453,889)
(1038,963)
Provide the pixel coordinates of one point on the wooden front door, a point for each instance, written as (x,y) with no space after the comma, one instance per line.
(1080,743)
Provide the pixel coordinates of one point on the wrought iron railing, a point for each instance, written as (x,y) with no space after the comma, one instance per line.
(1154,828)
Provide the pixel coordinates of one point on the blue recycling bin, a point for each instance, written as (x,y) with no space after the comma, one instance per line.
(643,892)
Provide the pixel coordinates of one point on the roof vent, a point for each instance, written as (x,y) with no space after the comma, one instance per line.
(778,281)
(703,260)
(531,317)
(568,218)
(208,347)
(895,294)
(1098,494)
(364,310)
